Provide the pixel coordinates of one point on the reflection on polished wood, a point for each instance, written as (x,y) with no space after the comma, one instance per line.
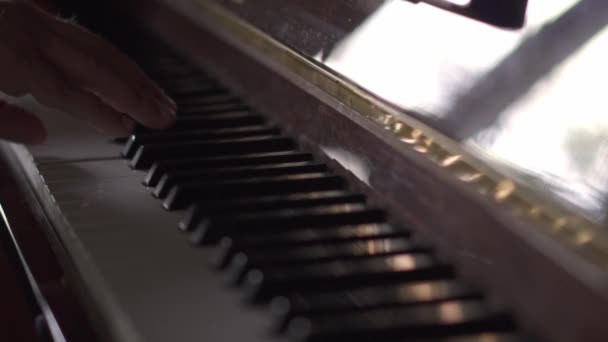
(481,85)
(425,140)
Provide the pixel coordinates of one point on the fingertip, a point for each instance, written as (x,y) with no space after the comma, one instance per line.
(169,101)
(162,117)
(113,130)
(128,123)
(111,123)
(172,103)
(162,99)
(167,115)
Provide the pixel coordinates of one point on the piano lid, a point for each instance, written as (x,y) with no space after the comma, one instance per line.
(530,101)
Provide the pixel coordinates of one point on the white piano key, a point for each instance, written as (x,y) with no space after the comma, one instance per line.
(163,285)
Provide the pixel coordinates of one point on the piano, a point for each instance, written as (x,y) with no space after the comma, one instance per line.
(357,170)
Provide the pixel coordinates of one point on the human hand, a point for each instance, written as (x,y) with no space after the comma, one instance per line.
(47,5)
(65,67)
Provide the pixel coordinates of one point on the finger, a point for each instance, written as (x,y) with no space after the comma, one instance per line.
(50,88)
(97,46)
(20,126)
(91,72)
(44,4)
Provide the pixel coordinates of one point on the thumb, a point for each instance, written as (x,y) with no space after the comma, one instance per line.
(19,125)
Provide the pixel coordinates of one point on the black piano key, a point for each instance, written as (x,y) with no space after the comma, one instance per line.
(306,236)
(326,251)
(174,70)
(210,88)
(229,245)
(174,89)
(177,71)
(172,178)
(136,140)
(212,228)
(220,120)
(215,108)
(203,93)
(211,121)
(437,320)
(198,96)
(161,76)
(119,140)
(209,99)
(263,283)
(188,84)
(183,195)
(162,167)
(146,155)
(244,261)
(365,298)
(263,203)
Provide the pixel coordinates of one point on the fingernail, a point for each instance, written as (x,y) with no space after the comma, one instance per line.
(128,123)
(171,103)
(166,100)
(167,113)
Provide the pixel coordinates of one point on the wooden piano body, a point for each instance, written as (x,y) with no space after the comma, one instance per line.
(137,278)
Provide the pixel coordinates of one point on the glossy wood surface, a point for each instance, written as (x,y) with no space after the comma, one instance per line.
(527,102)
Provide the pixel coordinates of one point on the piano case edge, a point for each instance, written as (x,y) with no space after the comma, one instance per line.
(82,274)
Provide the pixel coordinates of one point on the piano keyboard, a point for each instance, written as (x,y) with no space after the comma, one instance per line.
(223,228)
(291,235)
